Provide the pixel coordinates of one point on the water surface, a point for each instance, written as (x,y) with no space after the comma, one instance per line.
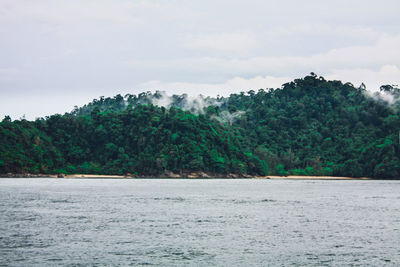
(199,222)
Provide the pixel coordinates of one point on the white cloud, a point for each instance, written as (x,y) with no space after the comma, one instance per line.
(373,79)
(235,85)
(73,12)
(388,74)
(325,29)
(222,42)
(96,47)
(384,52)
(9,74)
(39,105)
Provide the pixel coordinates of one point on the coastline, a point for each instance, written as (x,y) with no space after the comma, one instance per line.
(299,177)
(178,176)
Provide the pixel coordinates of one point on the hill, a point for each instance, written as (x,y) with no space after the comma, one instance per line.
(310,126)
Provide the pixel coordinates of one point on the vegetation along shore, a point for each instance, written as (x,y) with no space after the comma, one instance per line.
(176,176)
(309,127)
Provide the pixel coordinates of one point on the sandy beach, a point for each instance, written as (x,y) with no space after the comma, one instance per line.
(312,177)
(95,176)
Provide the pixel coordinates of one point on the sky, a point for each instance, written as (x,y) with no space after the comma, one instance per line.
(55,54)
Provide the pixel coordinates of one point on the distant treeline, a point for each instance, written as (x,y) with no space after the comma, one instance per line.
(308,127)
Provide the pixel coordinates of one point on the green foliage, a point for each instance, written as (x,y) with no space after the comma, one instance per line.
(308,127)
(146,140)
(24,148)
(316,127)
(280,170)
(310,170)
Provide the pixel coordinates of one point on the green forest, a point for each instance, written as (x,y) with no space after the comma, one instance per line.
(309,126)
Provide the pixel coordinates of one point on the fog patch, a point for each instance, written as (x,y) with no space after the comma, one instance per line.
(194,104)
(161,99)
(390,94)
(225,117)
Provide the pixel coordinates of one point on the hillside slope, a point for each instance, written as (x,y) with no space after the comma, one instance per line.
(308,127)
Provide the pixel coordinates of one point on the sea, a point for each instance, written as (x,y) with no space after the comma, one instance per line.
(199,222)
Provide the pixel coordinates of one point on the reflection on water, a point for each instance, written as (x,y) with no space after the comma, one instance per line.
(199,222)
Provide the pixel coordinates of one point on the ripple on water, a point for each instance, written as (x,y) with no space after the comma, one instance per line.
(176,199)
(199,223)
(61,201)
(268,200)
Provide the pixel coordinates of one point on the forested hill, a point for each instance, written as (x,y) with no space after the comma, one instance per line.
(308,127)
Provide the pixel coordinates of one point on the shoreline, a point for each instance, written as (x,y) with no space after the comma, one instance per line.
(177,176)
(299,177)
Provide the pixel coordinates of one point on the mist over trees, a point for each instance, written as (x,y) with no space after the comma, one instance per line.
(310,126)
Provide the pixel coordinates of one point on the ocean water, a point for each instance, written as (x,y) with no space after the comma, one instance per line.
(216,222)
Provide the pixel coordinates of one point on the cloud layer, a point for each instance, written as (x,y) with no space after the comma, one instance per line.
(75,51)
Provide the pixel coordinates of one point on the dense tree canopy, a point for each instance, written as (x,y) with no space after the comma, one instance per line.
(308,127)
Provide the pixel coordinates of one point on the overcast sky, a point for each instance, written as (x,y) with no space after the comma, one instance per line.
(56,54)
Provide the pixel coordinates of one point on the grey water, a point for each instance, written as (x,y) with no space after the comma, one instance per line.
(216,222)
